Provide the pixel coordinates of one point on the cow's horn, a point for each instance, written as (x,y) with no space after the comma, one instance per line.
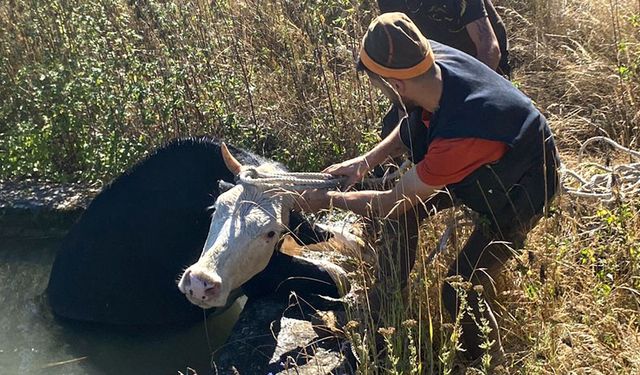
(232,163)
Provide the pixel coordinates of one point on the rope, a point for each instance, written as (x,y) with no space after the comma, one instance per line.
(298,181)
(295,181)
(617,182)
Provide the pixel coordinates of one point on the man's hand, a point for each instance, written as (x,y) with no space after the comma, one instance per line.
(354,169)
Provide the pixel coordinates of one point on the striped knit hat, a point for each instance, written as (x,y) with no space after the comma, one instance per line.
(393,47)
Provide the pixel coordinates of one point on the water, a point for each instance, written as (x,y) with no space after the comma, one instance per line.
(33,342)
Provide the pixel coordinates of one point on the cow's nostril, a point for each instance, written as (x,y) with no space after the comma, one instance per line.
(213,290)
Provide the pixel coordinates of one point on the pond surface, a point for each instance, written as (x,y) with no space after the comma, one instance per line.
(33,342)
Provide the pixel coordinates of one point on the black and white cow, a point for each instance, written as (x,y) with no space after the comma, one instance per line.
(120,261)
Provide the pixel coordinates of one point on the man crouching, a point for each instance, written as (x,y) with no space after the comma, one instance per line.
(475,140)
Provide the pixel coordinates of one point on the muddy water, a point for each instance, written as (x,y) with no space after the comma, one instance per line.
(33,342)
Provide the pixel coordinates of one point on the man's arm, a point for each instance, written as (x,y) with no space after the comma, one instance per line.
(408,192)
(390,147)
(487,47)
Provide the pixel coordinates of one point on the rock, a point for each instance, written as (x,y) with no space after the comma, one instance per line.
(272,337)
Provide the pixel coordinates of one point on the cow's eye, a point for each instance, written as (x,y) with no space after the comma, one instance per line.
(271,234)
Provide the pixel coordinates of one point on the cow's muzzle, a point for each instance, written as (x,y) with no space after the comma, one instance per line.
(202,288)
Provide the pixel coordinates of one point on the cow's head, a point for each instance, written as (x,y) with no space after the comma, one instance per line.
(246,226)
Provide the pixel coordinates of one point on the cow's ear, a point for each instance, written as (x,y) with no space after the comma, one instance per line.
(224,186)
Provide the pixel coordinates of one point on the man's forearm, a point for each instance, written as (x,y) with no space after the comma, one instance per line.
(391,146)
(487,47)
(408,192)
(490,55)
(363,202)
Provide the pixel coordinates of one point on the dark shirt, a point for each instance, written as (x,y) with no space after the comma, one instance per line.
(445,21)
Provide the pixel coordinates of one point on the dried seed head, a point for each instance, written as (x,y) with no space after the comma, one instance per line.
(387,332)
(454,279)
(410,323)
(352,325)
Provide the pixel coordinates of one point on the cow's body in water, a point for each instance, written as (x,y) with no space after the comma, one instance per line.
(120,262)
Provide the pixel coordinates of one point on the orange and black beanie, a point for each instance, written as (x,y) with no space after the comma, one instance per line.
(393,47)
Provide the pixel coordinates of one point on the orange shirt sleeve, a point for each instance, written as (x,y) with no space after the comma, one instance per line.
(451,160)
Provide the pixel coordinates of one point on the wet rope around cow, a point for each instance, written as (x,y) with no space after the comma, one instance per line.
(295,181)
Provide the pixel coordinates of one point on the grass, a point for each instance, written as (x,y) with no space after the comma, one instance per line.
(88,87)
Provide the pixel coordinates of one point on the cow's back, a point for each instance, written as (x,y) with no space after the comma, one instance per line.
(120,261)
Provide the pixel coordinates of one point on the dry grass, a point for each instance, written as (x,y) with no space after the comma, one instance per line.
(579,62)
(574,59)
(569,310)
